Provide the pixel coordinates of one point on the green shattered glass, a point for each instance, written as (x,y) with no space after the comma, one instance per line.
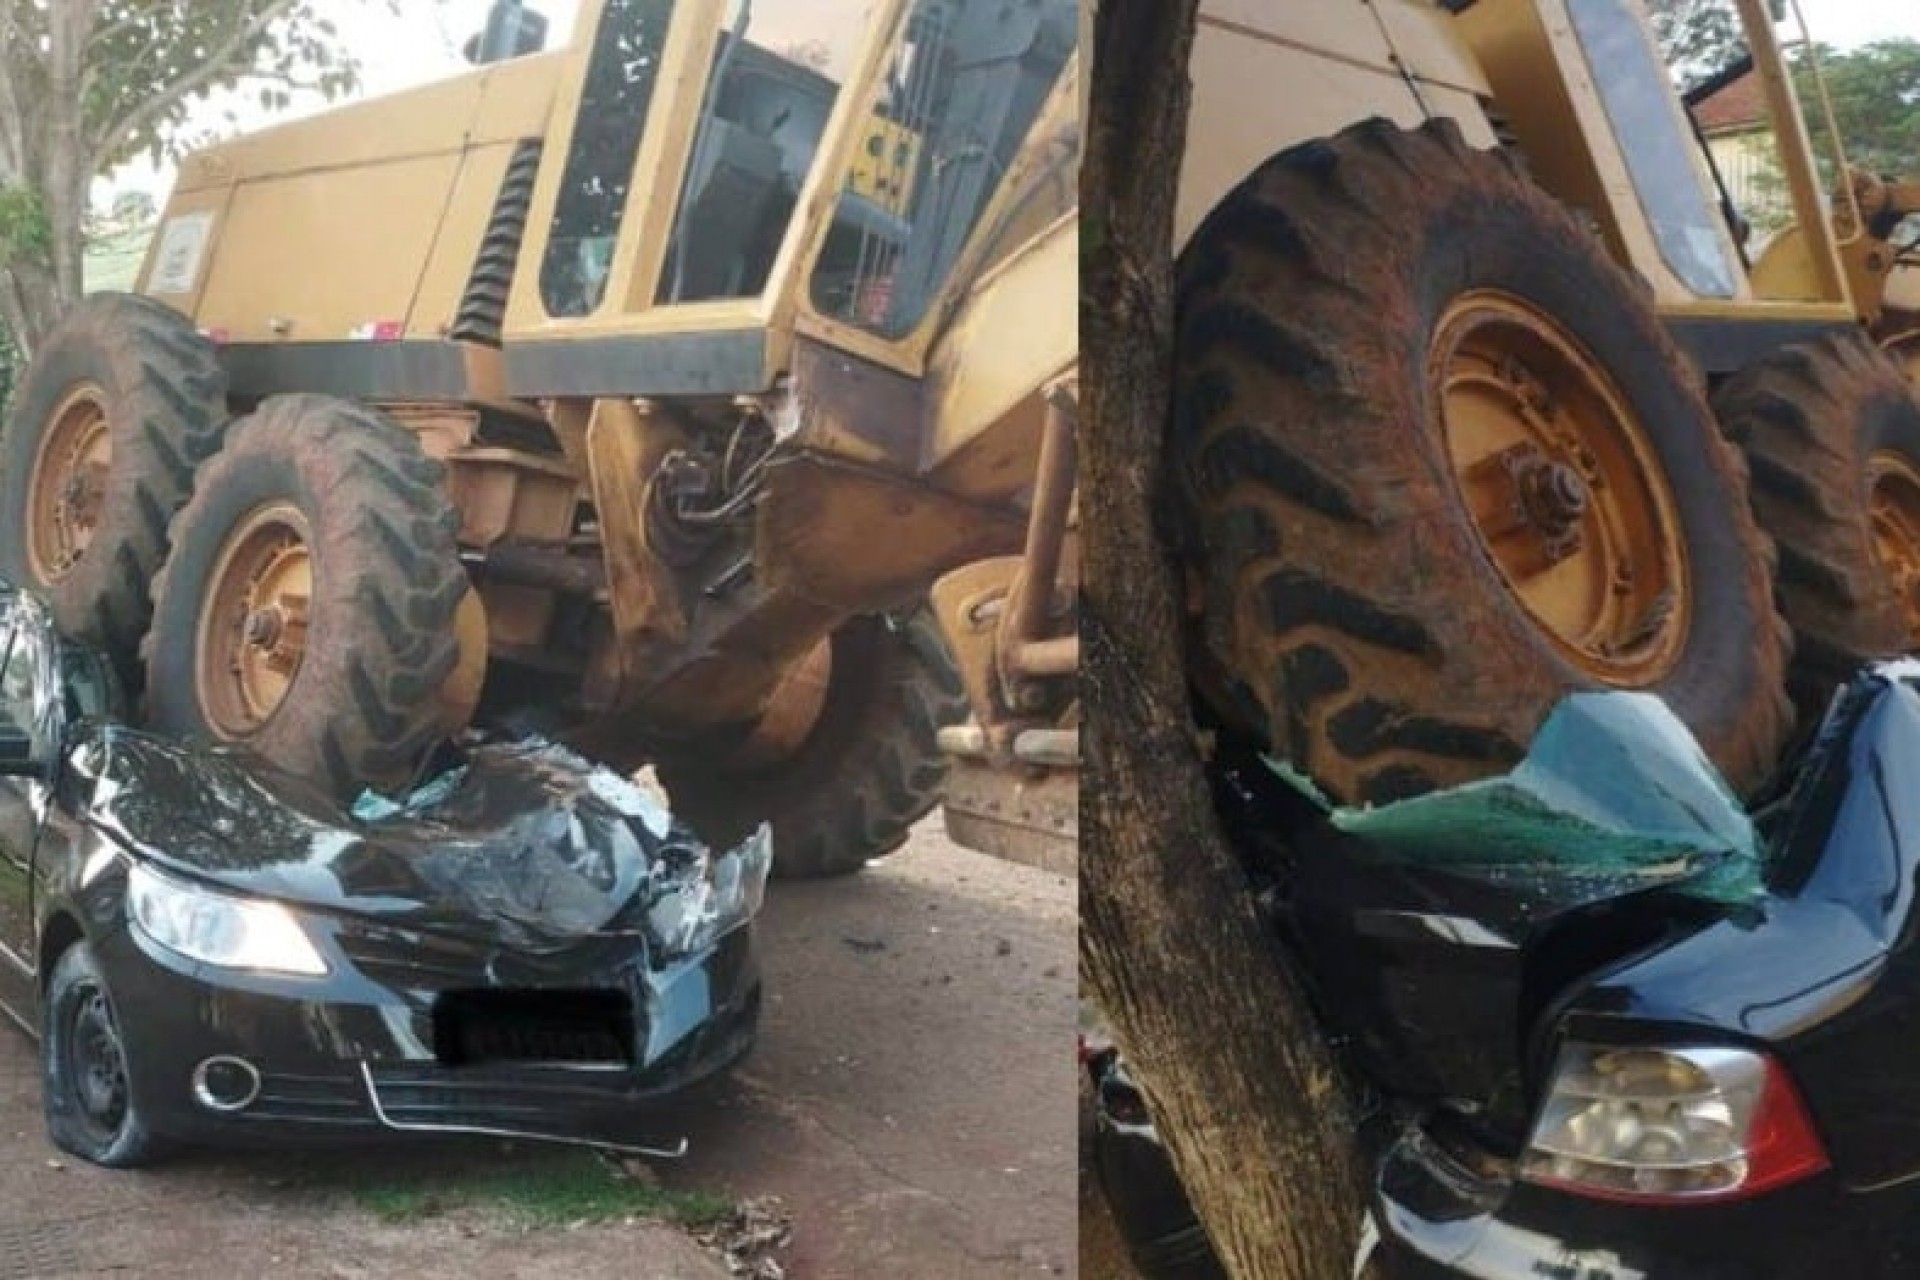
(1613,790)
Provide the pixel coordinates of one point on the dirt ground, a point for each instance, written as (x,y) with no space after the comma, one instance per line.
(911,1104)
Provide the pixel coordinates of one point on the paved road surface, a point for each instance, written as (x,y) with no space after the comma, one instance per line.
(913,1096)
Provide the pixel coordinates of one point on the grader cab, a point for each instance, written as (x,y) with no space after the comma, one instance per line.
(635,392)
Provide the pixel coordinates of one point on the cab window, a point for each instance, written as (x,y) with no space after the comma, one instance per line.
(620,77)
(966,81)
(778,66)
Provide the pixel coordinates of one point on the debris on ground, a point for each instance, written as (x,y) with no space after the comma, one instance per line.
(747,1238)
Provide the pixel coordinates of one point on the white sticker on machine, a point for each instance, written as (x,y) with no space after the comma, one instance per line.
(183,242)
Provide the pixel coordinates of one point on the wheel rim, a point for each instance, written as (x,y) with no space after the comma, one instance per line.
(253,627)
(793,711)
(69,483)
(1893,506)
(1564,488)
(95,1067)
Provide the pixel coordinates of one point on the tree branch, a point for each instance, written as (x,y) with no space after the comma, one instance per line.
(117,133)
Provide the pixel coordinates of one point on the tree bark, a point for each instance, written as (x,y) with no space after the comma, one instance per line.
(1195,985)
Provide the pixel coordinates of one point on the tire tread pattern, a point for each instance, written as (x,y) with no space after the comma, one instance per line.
(362,710)
(871,770)
(1808,418)
(167,410)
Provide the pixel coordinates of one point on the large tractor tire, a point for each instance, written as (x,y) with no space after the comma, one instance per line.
(1438,464)
(1831,431)
(870,767)
(310,606)
(119,405)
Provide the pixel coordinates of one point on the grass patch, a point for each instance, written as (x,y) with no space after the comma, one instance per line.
(572,1187)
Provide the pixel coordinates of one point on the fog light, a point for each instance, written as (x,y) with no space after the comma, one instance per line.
(1670,1125)
(225,1083)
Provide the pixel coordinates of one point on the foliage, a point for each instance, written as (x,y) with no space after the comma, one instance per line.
(1698,37)
(88,84)
(25,229)
(149,63)
(1875,91)
(573,1186)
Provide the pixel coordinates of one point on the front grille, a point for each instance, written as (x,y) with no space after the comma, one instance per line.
(474,1097)
(410,961)
(309,1100)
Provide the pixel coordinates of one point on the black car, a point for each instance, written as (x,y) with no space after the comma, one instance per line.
(1600,1072)
(208,950)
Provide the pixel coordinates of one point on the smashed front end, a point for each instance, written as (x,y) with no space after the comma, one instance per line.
(1609,1022)
(526,946)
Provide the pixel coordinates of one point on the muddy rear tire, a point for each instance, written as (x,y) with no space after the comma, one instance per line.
(346,533)
(119,405)
(1373,616)
(870,768)
(1831,432)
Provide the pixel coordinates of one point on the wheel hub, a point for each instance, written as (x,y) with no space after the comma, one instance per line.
(253,626)
(1554,497)
(1564,488)
(98,1068)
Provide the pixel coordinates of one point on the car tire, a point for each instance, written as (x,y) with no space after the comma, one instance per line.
(1436,465)
(87,1089)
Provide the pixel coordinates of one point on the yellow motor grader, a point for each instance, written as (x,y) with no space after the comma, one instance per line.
(636,392)
(1484,392)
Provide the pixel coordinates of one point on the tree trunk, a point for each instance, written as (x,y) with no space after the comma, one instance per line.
(1195,985)
(68,163)
(30,303)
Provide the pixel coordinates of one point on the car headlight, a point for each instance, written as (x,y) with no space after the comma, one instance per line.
(216,929)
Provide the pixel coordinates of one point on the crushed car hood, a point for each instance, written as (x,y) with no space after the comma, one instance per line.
(522,844)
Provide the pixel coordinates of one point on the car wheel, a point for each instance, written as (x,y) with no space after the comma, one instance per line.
(86,1083)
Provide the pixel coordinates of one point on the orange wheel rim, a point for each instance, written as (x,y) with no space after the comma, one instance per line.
(793,710)
(252,633)
(1564,487)
(1893,506)
(68,487)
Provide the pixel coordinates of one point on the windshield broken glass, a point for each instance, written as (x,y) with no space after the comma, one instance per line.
(1613,790)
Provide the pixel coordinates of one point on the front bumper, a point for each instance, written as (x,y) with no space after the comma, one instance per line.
(1437,1218)
(353,1054)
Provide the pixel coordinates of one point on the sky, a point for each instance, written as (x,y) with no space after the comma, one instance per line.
(410,42)
(1845,23)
